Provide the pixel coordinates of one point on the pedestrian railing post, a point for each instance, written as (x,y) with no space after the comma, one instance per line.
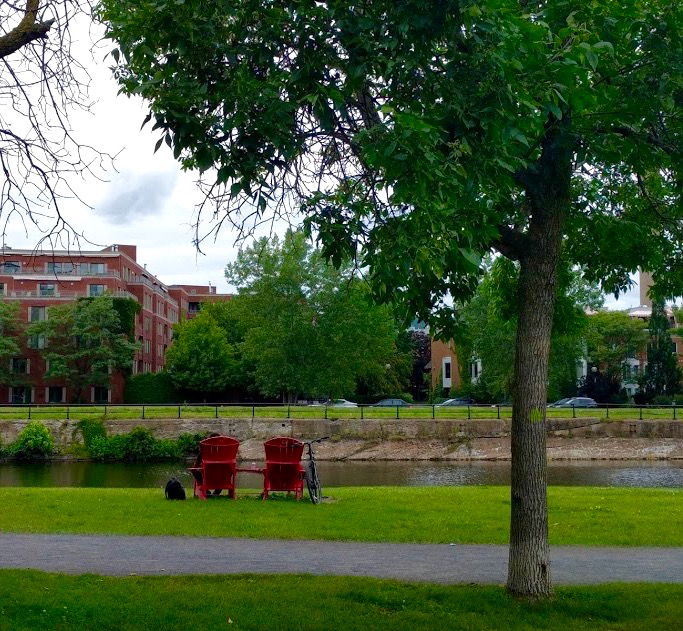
(397,411)
(674,411)
(325,411)
(361,412)
(105,411)
(641,412)
(67,412)
(607,407)
(469,413)
(178,411)
(253,411)
(216,411)
(29,411)
(143,411)
(573,411)
(498,411)
(433,411)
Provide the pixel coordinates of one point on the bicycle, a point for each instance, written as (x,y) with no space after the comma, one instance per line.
(315,489)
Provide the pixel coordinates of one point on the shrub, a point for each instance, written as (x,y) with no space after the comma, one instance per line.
(91,429)
(34,443)
(188,444)
(138,445)
(662,399)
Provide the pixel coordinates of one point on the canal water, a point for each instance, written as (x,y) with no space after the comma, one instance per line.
(661,474)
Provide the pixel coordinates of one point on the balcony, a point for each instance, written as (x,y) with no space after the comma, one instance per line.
(141,280)
(57,294)
(43,275)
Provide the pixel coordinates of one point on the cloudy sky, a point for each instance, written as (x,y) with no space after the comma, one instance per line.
(147,201)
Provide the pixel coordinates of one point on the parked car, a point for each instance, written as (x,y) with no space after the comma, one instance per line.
(455,402)
(342,403)
(390,403)
(560,403)
(576,402)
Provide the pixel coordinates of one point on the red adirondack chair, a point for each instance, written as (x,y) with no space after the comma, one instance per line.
(216,466)
(284,471)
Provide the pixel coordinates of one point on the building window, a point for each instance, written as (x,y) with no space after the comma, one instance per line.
(37,342)
(10,267)
(20,366)
(148,324)
(3,289)
(96,290)
(100,394)
(55,394)
(47,289)
(194,307)
(20,395)
(37,314)
(61,268)
(148,346)
(673,347)
(97,268)
(447,370)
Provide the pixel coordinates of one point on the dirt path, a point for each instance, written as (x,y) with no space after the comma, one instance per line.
(123,556)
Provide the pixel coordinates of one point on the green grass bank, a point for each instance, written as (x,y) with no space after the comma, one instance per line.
(265,411)
(577,515)
(35,600)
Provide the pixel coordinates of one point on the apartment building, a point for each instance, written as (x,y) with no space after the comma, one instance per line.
(40,280)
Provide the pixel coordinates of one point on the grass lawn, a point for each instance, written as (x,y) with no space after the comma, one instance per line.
(32,600)
(578,515)
(135,412)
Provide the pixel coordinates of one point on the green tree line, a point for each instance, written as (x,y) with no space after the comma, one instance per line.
(297,328)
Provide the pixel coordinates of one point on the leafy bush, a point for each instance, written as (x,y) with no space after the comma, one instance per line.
(188,444)
(662,399)
(91,429)
(138,445)
(34,443)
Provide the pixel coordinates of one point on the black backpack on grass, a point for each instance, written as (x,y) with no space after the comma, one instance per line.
(174,490)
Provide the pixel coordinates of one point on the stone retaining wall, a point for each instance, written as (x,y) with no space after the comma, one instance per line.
(66,432)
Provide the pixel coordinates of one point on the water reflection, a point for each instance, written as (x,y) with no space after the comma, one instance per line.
(667,474)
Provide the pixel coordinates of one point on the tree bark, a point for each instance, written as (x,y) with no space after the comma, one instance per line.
(529,564)
(548,188)
(25,32)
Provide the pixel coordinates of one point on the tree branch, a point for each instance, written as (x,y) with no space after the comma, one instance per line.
(629,132)
(511,243)
(25,32)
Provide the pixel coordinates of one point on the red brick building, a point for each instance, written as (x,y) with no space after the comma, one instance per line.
(41,280)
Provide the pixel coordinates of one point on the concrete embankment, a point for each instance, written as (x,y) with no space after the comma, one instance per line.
(408,439)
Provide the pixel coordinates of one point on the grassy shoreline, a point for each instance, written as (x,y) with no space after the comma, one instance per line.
(577,515)
(34,600)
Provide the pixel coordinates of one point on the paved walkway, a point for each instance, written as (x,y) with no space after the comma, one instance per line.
(438,563)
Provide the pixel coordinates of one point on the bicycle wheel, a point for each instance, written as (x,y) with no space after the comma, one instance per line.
(315,489)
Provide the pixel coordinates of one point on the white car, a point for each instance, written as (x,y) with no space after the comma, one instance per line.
(342,403)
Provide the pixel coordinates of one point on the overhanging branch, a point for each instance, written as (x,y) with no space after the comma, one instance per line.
(27,31)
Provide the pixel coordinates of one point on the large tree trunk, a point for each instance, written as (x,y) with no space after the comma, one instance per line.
(529,566)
